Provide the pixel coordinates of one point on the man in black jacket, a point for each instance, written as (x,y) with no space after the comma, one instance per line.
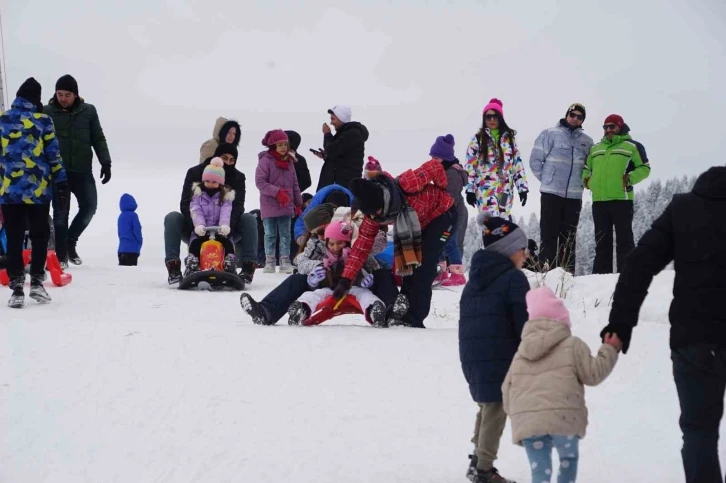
(691,233)
(343,153)
(178,225)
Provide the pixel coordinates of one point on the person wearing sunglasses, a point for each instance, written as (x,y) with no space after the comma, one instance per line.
(557,160)
(494,166)
(613,166)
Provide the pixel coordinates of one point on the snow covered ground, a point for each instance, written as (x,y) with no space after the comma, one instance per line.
(123,379)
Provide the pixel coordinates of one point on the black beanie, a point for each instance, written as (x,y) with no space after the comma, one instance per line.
(226,148)
(67,83)
(368,194)
(577,107)
(30,91)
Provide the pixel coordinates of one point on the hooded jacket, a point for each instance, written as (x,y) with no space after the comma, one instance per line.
(544,391)
(130,239)
(344,154)
(318,199)
(301,164)
(221,128)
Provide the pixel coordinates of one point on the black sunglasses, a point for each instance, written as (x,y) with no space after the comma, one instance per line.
(491,117)
(577,116)
(610,127)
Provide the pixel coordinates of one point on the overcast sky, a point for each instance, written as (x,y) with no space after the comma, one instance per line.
(160,72)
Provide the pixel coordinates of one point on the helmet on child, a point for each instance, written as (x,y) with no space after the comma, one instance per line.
(339,231)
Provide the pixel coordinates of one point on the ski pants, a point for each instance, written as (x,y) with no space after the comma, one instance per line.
(699,372)
(539,452)
(16,217)
(606,215)
(558,230)
(364,297)
(83,187)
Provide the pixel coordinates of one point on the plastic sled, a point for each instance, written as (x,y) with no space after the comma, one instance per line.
(326,309)
(211,274)
(52,265)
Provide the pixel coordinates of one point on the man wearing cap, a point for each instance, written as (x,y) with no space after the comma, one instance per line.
(178,225)
(612,168)
(557,160)
(342,153)
(78,129)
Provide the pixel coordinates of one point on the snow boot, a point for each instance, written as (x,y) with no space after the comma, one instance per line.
(457,277)
(37,291)
(398,311)
(63,264)
(490,476)
(73,255)
(230,263)
(192,265)
(17,299)
(443,274)
(471,472)
(253,309)
(298,312)
(174,269)
(270,263)
(377,314)
(248,271)
(285,265)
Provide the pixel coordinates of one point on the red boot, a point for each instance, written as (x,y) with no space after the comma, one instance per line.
(443,276)
(457,277)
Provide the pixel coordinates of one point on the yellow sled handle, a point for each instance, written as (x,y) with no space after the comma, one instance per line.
(337,304)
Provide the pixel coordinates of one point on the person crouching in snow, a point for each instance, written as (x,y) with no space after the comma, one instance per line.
(493,311)
(129,232)
(544,393)
(280,198)
(211,205)
(328,271)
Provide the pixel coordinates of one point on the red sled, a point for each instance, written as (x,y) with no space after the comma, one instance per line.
(326,309)
(52,265)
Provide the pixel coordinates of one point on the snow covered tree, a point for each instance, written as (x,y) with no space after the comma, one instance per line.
(472,242)
(532,229)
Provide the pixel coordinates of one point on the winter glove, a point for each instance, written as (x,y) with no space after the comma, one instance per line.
(367,281)
(316,276)
(224,230)
(471,199)
(523,197)
(342,289)
(298,210)
(105,173)
(283,198)
(200,230)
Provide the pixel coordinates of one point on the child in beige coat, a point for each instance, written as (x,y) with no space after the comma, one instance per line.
(544,393)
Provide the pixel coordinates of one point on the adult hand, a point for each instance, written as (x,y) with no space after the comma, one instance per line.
(471,199)
(283,198)
(316,276)
(367,281)
(200,230)
(626,182)
(523,197)
(105,173)
(342,289)
(224,230)
(587,183)
(622,333)
(326,128)
(613,340)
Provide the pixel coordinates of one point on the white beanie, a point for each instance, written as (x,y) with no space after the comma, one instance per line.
(342,112)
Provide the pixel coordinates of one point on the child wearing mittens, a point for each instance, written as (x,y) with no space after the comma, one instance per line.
(544,392)
(280,197)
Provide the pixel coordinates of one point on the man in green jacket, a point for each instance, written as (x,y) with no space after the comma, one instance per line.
(613,166)
(78,130)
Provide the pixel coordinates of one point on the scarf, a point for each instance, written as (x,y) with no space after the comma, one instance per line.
(282,162)
(332,258)
(406,227)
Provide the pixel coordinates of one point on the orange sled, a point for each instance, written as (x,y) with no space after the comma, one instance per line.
(326,309)
(52,265)
(211,274)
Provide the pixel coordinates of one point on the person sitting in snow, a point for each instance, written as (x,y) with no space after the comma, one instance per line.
(130,238)
(211,205)
(493,311)
(544,394)
(325,271)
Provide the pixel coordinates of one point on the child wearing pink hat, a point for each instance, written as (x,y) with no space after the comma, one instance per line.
(544,393)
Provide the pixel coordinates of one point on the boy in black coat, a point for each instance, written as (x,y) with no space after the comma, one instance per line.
(493,310)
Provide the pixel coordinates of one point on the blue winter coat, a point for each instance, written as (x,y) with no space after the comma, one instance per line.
(492,313)
(318,199)
(129,227)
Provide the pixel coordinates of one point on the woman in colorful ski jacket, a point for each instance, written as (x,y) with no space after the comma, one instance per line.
(494,166)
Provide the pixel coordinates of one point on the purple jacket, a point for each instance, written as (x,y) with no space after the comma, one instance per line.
(269,180)
(207,211)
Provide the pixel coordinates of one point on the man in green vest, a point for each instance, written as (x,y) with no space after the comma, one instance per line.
(613,166)
(78,129)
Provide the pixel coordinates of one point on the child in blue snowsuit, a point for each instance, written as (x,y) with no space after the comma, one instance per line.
(129,232)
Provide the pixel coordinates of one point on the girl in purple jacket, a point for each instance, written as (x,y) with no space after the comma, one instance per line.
(280,197)
(211,205)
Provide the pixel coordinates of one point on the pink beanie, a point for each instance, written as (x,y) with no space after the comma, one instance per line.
(372,168)
(339,231)
(273,137)
(495,105)
(542,303)
(214,171)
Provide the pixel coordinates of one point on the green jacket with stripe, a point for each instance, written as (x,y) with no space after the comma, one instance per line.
(613,167)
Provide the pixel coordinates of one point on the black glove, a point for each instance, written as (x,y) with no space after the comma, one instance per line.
(471,199)
(342,289)
(62,195)
(523,197)
(624,333)
(105,173)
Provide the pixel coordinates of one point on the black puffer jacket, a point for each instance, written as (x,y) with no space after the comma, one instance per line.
(344,154)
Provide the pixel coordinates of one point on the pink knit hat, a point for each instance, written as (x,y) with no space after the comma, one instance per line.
(372,168)
(495,105)
(339,231)
(542,303)
(273,137)
(214,171)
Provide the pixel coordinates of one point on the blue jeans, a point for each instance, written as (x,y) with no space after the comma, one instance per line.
(539,452)
(451,250)
(83,187)
(274,227)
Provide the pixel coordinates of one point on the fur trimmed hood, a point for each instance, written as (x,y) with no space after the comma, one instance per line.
(228,193)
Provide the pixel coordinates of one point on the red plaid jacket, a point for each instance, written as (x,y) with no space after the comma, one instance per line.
(425,190)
